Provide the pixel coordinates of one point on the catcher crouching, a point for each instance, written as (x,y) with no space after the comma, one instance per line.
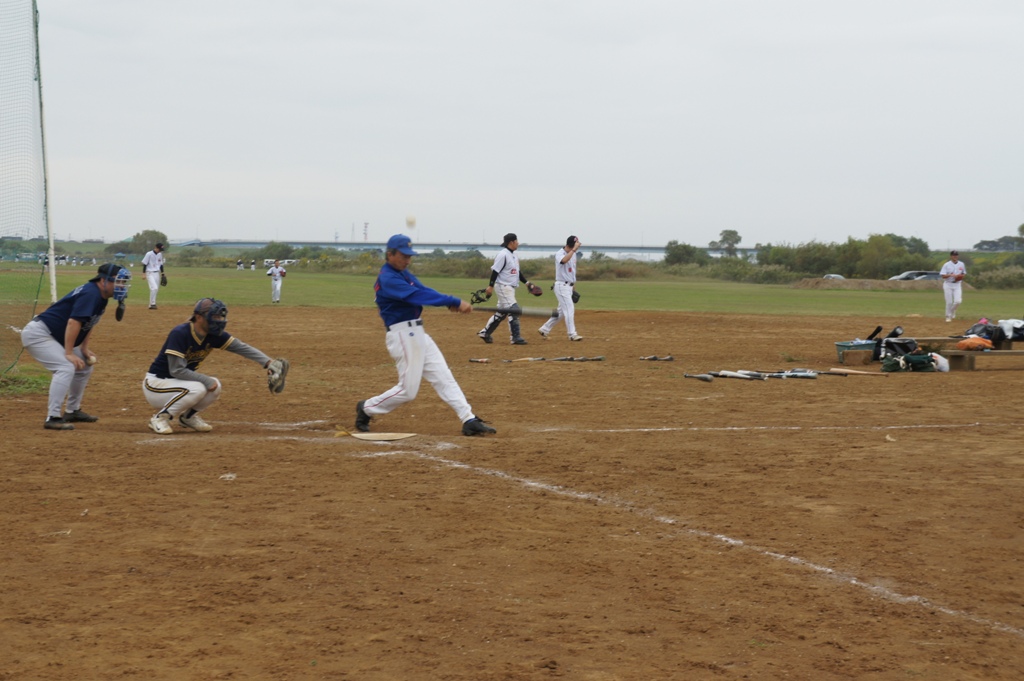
(174,385)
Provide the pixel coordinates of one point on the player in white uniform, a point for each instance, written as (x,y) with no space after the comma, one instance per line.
(952,274)
(565,280)
(153,262)
(276,274)
(400,299)
(505,277)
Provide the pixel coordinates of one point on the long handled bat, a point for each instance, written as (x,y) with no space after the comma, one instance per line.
(655,358)
(599,358)
(781,374)
(524,359)
(854,372)
(482,360)
(878,330)
(707,378)
(520,311)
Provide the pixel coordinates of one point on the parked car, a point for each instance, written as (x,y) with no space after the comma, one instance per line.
(916,275)
(833,276)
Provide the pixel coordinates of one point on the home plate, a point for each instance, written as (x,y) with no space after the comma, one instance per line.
(381,437)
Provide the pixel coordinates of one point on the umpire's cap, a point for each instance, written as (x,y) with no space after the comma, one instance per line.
(108,271)
(402,244)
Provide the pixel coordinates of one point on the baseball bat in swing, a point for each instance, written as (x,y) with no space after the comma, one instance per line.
(522,311)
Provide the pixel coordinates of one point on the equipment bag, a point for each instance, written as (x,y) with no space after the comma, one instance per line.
(910,362)
(896,347)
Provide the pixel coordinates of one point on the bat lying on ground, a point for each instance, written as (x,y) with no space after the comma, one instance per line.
(516,310)
(524,359)
(779,374)
(854,372)
(655,358)
(599,358)
(730,374)
(700,377)
(482,360)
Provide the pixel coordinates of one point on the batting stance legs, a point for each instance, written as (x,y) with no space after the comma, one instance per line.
(417,357)
(66,381)
(566,311)
(174,396)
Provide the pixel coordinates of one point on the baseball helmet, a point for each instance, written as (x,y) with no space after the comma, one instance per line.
(121,277)
(214,311)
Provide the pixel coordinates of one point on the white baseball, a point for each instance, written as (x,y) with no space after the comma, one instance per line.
(410,221)
(90,360)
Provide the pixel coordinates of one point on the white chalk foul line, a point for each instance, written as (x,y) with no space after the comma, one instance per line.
(879,591)
(707,429)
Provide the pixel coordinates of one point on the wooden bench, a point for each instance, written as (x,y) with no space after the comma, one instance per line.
(963,360)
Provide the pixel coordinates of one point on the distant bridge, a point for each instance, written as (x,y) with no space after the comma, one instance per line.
(612,251)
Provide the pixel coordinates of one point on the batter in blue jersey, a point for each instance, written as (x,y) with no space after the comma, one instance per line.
(400,299)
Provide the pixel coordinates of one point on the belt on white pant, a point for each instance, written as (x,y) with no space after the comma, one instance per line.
(566,283)
(402,325)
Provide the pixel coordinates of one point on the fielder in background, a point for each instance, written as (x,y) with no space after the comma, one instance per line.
(276,274)
(505,278)
(153,262)
(58,338)
(400,299)
(565,281)
(253,266)
(952,275)
(174,385)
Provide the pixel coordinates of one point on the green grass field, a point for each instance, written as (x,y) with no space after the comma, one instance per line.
(247,288)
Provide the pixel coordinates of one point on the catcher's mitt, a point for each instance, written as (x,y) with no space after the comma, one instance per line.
(534,289)
(575,296)
(479,296)
(277,370)
(163,279)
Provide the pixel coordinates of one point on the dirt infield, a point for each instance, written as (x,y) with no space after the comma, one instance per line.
(624,523)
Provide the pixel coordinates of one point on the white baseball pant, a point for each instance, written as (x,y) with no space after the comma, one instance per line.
(566,309)
(176,396)
(416,357)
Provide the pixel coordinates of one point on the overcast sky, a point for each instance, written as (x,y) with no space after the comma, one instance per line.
(626,123)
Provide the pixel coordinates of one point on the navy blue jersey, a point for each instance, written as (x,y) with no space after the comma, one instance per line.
(401,296)
(85,304)
(183,342)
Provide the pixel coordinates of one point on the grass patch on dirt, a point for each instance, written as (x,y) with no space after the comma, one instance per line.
(24,380)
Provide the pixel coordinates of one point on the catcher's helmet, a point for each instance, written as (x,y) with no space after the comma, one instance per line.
(121,277)
(214,311)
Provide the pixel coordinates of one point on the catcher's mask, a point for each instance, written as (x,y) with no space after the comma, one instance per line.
(215,312)
(121,277)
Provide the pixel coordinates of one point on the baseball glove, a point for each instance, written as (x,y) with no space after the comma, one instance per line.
(277,371)
(575,296)
(958,277)
(534,289)
(163,279)
(479,296)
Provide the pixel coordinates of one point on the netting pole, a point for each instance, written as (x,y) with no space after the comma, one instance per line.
(50,255)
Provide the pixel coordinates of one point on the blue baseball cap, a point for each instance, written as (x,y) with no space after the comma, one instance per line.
(402,244)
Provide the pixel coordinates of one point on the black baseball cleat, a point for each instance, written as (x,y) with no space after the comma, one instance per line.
(362,418)
(519,341)
(485,337)
(57,423)
(79,416)
(475,426)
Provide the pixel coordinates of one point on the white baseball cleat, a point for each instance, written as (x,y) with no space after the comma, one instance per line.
(161,424)
(575,337)
(195,423)
(543,333)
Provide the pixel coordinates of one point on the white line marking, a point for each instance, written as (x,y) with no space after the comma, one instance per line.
(880,591)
